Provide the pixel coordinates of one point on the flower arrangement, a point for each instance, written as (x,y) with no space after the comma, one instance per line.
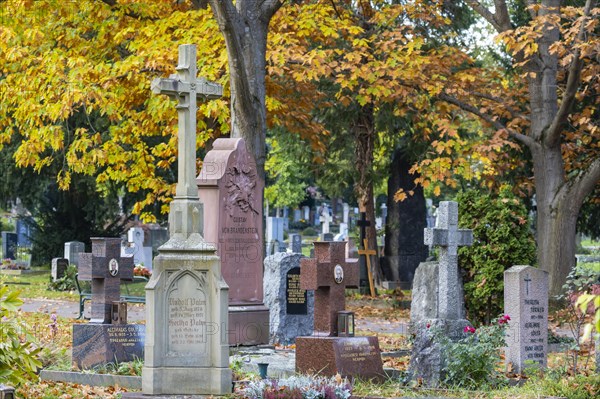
(9,264)
(298,387)
(140,270)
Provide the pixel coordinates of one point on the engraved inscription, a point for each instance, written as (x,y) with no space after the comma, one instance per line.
(296,298)
(187,306)
(124,335)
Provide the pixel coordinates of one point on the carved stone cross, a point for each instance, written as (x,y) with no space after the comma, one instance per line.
(186,88)
(329,274)
(448,237)
(105,268)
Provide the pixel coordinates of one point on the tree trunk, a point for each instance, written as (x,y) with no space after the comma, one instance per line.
(363,130)
(404,248)
(245,27)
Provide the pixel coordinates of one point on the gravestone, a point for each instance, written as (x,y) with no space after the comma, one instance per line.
(186,352)
(274,234)
(439,307)
(72,251)
(23,228)
(343,234)
(325,219)
(327,237)
(328,274)
(291,308)
(230,189)
(306,213)
(101,341)
(297,215)
(345,213)
(142,253)
(59,267)
(9,245)
(526,302)
(295,243)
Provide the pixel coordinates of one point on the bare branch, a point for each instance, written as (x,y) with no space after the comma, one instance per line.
(269,8)
(553,134)
(528,141)
(500,21)
(579,187)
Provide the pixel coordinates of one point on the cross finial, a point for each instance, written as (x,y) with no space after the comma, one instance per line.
(186,88)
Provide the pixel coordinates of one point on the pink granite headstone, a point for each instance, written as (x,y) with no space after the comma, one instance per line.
(231,190)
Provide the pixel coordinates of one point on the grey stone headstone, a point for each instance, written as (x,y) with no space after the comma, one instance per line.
(297,215)
(9,245)
(284,298)
(306,213)
(526,302)
(423,305)
(274,229)
(296,243)
(72,251)
(59,267)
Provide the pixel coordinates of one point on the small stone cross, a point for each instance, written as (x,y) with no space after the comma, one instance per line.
(325,218)
(448,237)
(105,268)
(186,88)
(527,280)
(329,274)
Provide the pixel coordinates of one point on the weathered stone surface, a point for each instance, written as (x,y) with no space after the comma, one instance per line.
(424,305)
(98,344)
(291,308)
(230,189)
(526,302)
(427,361)
(350,357)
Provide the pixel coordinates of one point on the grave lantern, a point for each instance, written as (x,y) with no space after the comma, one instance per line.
(6,392)
(345,324)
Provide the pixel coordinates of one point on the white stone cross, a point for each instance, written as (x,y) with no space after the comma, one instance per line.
(186,88)
(448,237)
(325,218)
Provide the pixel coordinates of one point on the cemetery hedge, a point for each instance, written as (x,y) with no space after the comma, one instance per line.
(501,238)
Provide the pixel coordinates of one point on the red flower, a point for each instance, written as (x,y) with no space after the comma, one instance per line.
(428,325)
(469,329)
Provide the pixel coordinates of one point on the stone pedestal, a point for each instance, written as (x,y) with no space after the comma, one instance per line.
(347,356)
(186,351)
(230,189)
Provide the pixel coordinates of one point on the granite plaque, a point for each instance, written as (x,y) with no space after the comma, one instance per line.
(296,298)
(98,344)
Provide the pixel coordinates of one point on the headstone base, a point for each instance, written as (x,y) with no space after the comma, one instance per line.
(186,381)
(95,344)
(248,325)
(427,361)
(347,356)
(139,395)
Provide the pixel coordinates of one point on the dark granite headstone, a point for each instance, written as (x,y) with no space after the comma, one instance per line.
(95,344)
(295,298)
(59,266)
(9,245)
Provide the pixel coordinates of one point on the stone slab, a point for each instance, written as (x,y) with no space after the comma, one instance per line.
(98,380)
(97,344)
(350,357)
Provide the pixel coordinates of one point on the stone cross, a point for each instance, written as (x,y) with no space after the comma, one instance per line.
(186,88)
(363,223)
(448,237)
(329,274)
(325,218)
(105,268)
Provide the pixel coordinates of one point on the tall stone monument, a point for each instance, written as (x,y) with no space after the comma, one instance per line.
(447,312)
(230,189)
(186,351)
(526,302)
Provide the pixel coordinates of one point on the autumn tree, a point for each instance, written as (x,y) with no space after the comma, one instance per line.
(556,52)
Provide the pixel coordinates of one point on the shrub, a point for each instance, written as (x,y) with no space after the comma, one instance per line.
(18,357)
(501,239)
(66,282)
(309,231)
(471,361)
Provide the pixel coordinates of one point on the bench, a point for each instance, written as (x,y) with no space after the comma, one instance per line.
(127,297)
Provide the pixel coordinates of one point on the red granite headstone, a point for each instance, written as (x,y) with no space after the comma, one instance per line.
(329,274)
(231,189)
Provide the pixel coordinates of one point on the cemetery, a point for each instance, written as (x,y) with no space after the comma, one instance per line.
(299,200)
